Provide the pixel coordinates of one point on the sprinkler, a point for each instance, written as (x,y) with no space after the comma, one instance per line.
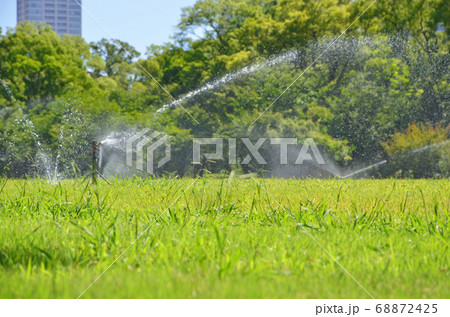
(95,146)
(95,172)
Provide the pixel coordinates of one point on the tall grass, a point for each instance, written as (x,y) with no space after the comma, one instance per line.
(224,239)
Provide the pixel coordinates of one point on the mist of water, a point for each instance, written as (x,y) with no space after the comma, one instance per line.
(380,163)
(362,170)
(112,150)
(43,160)
(50,164)
(56,167)
(228,78)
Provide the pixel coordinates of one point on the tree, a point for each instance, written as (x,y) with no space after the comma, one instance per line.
(115,53)
(37,63)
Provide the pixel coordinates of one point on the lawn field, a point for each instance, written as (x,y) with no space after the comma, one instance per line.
(225,238)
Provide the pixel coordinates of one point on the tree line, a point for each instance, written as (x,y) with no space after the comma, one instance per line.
(383,86)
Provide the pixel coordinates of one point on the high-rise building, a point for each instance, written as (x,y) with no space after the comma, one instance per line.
(64,16)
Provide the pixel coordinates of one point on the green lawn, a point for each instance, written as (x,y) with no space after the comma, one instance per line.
(225,238)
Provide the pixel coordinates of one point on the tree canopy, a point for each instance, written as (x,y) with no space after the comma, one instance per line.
(389,70)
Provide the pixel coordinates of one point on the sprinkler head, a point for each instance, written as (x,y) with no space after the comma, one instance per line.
(95,144)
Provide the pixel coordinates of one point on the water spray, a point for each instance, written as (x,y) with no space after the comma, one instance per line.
(364,169)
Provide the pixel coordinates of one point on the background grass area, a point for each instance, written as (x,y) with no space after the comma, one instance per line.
(230,238)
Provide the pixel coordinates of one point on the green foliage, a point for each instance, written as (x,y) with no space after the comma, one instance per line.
(37,63)
(390,69)
(116,55)
(421,151)
(415,137)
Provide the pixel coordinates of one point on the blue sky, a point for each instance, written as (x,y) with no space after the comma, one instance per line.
(138,22)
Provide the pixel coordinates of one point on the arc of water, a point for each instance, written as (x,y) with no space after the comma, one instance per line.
(385,161)
(286,57)
(364,169)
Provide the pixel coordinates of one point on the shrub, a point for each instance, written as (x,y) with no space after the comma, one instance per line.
(422,151)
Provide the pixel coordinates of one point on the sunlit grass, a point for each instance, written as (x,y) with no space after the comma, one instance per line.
(224,238)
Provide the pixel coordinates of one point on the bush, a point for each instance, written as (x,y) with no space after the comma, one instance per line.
(421,152)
